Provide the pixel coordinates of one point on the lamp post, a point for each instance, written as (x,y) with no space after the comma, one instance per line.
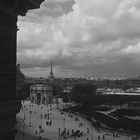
(39,134)
(23,124)
(24,117)
(64,123)
(30,119)
(91,132)
(23,134)
(41,120)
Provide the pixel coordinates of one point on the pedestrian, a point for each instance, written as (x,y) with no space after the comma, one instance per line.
(59,131)
(87,130)
(113,135)
(103,137)
(47,123)
(68,133)
(50,123)
(39,137)
(36,132)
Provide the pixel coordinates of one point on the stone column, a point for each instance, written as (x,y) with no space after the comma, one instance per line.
(9,105)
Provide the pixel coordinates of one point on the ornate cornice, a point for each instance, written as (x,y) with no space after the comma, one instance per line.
(23,6)
(19,7)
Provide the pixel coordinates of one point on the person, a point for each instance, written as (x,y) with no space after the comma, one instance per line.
(47,123)
(50,123)
(103,137)
(87,130)
(68,133)
(39,137)
(113,135)
(59,131)
(36,132)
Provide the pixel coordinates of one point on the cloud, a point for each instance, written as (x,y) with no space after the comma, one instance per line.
(60,1)
(92,37)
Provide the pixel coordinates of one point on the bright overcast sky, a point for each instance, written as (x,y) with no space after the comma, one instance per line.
(98,38)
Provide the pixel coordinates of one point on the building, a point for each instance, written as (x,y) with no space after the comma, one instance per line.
(9,105)
(41,93)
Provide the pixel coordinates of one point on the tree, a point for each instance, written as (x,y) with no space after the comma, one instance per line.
(26,90)
(23,91)
(57,90)
(83,93)
(125,86)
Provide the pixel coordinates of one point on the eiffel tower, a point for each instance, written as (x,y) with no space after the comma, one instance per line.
(51,76)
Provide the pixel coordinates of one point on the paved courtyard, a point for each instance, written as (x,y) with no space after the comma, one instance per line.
(48,122)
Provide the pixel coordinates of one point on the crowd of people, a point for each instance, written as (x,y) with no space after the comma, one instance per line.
(69,134)
(46,121)
(63,133)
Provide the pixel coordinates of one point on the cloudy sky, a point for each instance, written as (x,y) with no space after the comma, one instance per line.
(99,38)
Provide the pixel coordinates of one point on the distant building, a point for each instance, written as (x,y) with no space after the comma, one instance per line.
(41,93)
(67,89)
(57,99)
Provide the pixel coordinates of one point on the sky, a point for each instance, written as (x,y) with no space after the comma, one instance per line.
(83,38)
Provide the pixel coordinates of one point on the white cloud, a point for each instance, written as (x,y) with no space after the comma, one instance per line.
(58,0)
(96,32)
(132,49)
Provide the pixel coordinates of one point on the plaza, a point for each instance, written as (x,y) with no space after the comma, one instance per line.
(46,121)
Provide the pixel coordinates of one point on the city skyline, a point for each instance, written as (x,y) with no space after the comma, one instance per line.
(84,38)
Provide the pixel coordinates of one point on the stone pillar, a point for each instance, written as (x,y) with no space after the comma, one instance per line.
(9,105)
